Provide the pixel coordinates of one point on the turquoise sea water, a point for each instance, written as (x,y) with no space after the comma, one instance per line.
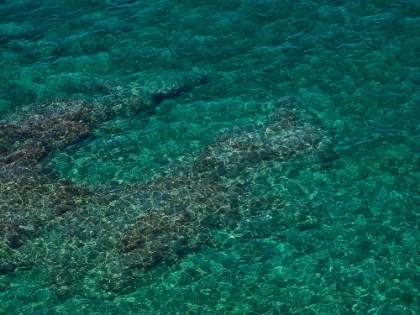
(331,237)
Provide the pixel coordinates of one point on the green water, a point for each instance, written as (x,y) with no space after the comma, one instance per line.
(352,69)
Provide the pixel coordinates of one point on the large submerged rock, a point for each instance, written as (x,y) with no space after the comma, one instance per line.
(113,234)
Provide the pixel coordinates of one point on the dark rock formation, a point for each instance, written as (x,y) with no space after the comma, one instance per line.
(122,230)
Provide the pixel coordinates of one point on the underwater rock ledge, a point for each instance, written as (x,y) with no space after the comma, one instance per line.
(114,234)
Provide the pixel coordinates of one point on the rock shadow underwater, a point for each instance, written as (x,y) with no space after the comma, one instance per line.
(106,239)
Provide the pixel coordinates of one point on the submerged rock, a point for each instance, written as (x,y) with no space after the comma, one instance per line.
(282,137)
(120,231)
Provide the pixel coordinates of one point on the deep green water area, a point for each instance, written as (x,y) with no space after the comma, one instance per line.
(240,157)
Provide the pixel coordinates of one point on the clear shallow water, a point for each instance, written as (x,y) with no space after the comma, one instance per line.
(351,68)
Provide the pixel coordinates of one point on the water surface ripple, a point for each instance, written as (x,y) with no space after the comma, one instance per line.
(268,151)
